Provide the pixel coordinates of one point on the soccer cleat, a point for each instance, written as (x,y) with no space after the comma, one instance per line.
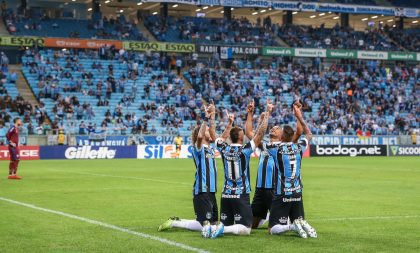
(299,229)
(15,177)
(308,229)
(220,228)
(167,224)
(206,231)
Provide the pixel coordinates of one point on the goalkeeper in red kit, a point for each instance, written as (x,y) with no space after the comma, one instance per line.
(13,139)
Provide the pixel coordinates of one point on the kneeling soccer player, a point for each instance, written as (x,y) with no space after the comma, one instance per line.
(236,212)
(287,203)
(205,186)
(266,174)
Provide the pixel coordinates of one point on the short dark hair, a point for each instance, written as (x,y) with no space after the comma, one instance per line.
(16,119)
(234,134)
(288,133)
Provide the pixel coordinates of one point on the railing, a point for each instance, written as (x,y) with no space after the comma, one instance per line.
(126,140)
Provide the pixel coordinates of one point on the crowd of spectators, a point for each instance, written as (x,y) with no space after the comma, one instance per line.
(206,30)
(10,107)
(117,28)
(142,93)
(336,38)
(407,38)
(342,99)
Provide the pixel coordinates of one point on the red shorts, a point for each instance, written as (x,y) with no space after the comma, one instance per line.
(14,153)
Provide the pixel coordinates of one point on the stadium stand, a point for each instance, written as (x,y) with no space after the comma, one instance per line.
(340,100)
(100,28)
(405,3)
(335,38)
(12,105)
(407,38)
(207,30)
(121,93)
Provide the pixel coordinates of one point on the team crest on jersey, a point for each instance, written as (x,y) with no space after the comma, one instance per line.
(237,217)
(283,220)
(208,215)
(209,156)
(223,216)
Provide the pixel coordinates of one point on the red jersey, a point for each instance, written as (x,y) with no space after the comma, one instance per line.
(13,135)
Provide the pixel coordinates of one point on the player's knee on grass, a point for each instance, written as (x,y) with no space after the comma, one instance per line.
(279,229)
(237,229)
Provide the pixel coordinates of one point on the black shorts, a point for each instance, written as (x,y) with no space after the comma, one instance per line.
(205,207)
(284,207)
(261,203)
(236,209)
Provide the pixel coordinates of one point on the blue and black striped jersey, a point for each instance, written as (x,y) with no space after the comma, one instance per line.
(288,159)
(266,174)
(206,170)
(236,166)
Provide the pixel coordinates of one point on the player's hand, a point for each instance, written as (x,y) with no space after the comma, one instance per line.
(210,110)
(13,144)
(251,107)
(297,111)
(297,102)
(230,116)
(269,107)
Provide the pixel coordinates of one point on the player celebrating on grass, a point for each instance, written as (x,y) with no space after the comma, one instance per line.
(13,139)
(205,185)
(235,210)
(287,202)
(266,174)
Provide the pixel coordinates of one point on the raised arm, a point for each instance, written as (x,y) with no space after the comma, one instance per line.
(299,128)
(211,115)
(248,124)
(298,132)
(306,130)
(201,135)
(226,133)
(262,127)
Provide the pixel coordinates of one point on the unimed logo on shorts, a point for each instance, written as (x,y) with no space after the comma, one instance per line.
(349,150)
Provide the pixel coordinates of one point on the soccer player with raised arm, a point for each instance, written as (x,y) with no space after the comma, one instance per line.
(12,137)
(266,173)
(235,211)
(205,185)
(287,202)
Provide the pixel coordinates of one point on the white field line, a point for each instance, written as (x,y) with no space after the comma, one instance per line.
(106,225)
(367,218)
(127,177)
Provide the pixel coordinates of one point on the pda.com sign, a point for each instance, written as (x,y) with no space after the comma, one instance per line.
(408,150)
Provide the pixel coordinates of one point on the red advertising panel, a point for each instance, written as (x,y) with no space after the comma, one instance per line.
(80,43)
(25,152)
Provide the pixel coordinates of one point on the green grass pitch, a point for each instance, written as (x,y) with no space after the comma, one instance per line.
(356,205)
